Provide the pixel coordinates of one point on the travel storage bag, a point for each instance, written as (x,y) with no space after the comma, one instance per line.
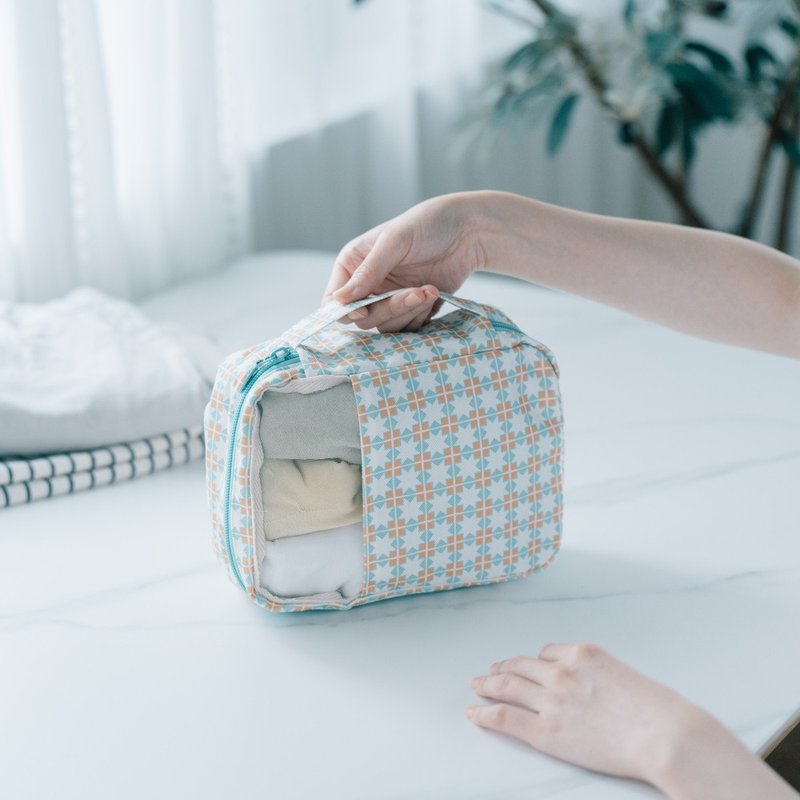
(348,466)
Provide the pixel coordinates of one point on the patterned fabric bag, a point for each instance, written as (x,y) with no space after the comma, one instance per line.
(460,430)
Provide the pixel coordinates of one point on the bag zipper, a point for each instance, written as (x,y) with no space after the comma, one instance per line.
(504,326)
(281,357)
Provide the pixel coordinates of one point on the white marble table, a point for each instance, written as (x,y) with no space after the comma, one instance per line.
(130,667)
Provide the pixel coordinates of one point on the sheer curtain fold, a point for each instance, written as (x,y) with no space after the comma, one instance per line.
(110,169)
(143,142)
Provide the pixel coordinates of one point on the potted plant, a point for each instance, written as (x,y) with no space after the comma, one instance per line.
(662,88)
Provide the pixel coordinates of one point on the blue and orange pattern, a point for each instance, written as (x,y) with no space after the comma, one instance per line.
(461,435)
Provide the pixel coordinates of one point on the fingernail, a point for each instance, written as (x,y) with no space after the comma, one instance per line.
(411,300)
(474,683)
(469,711)
(494,668)
(359,313)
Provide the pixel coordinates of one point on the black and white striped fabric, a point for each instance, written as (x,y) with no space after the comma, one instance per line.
(25,479)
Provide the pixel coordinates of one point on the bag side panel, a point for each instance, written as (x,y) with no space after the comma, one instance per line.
(461,470)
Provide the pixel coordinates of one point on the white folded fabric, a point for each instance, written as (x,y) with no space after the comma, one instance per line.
(314,563)
(89,370)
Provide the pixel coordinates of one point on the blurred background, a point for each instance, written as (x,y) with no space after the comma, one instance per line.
(143,142)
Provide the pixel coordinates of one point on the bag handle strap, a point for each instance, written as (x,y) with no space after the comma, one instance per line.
(334,310)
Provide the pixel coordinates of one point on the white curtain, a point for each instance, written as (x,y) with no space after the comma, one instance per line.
(110,161)
(146,141)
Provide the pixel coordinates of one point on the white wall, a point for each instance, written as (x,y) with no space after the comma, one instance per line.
(319,189)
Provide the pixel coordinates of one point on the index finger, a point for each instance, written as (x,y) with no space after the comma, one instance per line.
(338,278)
(349,259)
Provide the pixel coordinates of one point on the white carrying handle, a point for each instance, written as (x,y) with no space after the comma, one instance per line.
(334,310)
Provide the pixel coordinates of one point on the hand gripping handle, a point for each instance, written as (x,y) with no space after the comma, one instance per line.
(334,310)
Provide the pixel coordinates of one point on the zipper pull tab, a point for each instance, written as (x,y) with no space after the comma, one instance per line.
(275,357)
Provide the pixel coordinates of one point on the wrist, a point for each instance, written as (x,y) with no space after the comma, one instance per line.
(680,753)
(498,221)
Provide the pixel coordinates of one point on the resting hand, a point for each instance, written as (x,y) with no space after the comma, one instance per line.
(579,704)
(431,246)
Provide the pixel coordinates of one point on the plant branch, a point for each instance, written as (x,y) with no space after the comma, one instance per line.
(784,228)
(783,103)
(673,186)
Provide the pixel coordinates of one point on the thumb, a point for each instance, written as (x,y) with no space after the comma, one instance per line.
(390,248)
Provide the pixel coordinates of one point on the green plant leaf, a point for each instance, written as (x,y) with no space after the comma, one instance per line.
(503,105)
(627,132)
(560,123)
(704,94)
(791,146)
(528,57)
(717,59)
(661,45)
(714,8)
(755,56)
(789,27)
(628,12)
(668,127)
(547,84)
(688,148)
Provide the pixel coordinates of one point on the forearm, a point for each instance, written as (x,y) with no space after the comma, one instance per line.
(707,762)
(705,283)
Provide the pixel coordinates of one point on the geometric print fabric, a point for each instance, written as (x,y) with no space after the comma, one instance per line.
(461,471)
(461,434)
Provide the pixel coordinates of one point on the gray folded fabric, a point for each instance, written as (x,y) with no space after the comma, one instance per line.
(311,426)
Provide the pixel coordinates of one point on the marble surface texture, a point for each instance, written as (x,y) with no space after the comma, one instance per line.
(130,667)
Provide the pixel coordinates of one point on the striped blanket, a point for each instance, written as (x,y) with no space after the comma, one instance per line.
(27,478)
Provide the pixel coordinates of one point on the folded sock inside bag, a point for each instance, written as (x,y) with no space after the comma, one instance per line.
(306,496)
(311,490)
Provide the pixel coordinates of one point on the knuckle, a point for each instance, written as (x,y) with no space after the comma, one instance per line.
(499,715)
(585,652)
(548,725)
(544,651)
(562,672)
(364,272)
(398,235)
(505,683)
(515,663)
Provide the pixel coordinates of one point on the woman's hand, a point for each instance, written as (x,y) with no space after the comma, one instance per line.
(704,283)
(432,246)
(579,704)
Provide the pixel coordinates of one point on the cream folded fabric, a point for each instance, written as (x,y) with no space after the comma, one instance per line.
(327,561)
(320,425)
(304,496)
